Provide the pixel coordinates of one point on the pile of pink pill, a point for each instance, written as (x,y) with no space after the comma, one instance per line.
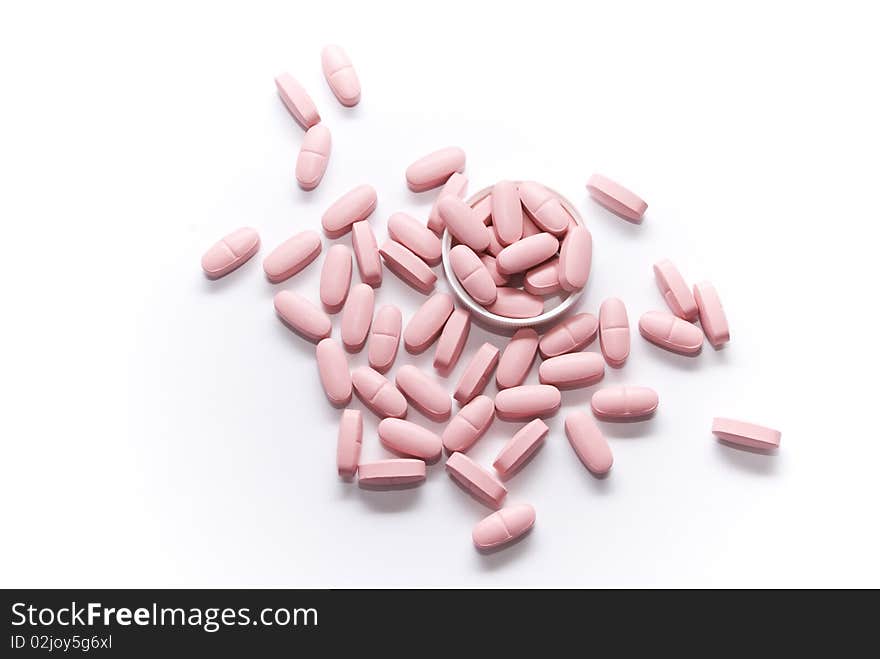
(510,251)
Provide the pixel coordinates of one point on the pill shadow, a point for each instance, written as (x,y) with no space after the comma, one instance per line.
(627,429)
(221,284)
(497,558)
(389,499)
(513,474)
(627,226)
(755,461)
(675,360)
(302,344)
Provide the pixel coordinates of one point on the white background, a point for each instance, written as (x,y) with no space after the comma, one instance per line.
(161,429)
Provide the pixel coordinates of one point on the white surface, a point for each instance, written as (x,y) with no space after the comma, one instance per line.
(159,429)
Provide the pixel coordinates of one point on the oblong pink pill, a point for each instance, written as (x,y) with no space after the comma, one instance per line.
(527,253)
(355,205)
(291,256)
(477,373)
(495,247)
(348,442)
(671,332)
(384,338)
(377,393)
(463,224)
(425,393)
(624,403)
(528,401)
(297,101)
(473,275)
(229,252)
(363,242)
(314,154)
(572,334)
(340,75)
(507,213)
(529,227)
(616,198)
(483,209)
(409,267)
(471,423)
(357,316)
(427,323)
(397,471)
(746,434)
(520,447)
(302,316)
(492,268)
(503,526)
(712,316)
(514,303)
(573,370)
(588,442)
(480,482)
(407,438)
(517,358)
(416,237)
(455,186)
(434,169)
(543,279)
(333,369)
(544,207)
(452,340)
(614,332)
(335,277)
(675,291)
(575,257)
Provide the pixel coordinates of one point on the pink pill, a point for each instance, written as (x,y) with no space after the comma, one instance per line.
(483,209)
(297,101)
(503,527)
(229,252)
(575,257)
(514,303)
(384,338)
(492,266)
(333,369)
(746,434)
(377,393)
(410,439)
(473,275)
(335,277)
(495,247)
(302,316)
(527,253)
(675,291)
(587,441)
(314,153)
(434,169)
(573,370)
(461,222)
(409,267)
(520,447)
(355,205)
(616,198)
(452,340)
(517,358)
(397,471)
(427,323)
(471,423)
(529,227)
(480,482)
(507,213)
(425,393)
(528,401)
(624,403)
(455,186)
(671,332)
(340,75)
(544,207)
(614,332)
(348,443)
(291,256)
(357,316)
(363,242)
(416,237)
(712,316)
(477,373)
(543,279)
(572,334)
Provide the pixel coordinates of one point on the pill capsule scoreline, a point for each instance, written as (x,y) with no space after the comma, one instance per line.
(313,157)
(230,252)
(340,75)
(384,338)
(503,527)
(624,403)
(349,442)
(671,332)
(614,338)
(473,275)
(377,393)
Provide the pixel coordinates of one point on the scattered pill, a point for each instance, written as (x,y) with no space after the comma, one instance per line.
(570,335)
(461,222)
(575,256)
(544,207)
(297,101)
(527,401)
(543,279)
(434,169)
(675,291)
(507,212)
(473,275)
(409,267)
(572,370)
(616,198)
(588,442)
(229,252)
(340,75)
(517,358)
(355,205)
(455,186)
(471,423)
(357,316)
(427,323)
(503,526)
(671,332)
(291,256)
(520,447)
(624,403)
(614,332)
(495,247)
(425,393)
(712,316)
(514,303)
(363,242)
(384,338)
(452,340)
(527,253)
(416,237)
(492,267)
(396,471)
(333,369)
(302,316)
(477,373)
(480,482)
(483,209)
(529,227)
(335,278)
(348,443)
(377,393)
(314,153)
(746,434)
(407,438)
